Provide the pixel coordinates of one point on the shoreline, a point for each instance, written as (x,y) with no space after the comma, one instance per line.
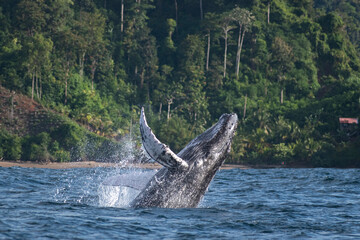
(93,164)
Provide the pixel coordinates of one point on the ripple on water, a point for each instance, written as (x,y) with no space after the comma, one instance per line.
(250,204)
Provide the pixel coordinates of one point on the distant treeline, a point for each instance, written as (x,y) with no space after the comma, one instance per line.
(289,69)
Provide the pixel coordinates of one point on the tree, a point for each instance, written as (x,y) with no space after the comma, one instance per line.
(209,24)
(140,47)
(122,17)
(268,11)
(11,55)
(38,63)
(176,15)
(89,29)
(161,92)
(59,15)
(193,79)
(171,26)
(282,58)
(244,20)
(174,92)
(66,42)
(59,27)
(31,16)
(225,24)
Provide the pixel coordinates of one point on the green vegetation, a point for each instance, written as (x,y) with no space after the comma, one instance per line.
(68,142)
(289,69)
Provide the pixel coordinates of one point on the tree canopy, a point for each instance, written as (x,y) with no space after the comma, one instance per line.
(289,69)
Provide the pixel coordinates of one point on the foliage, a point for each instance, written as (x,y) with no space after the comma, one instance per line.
(288,75)
(10,146)
(177,132)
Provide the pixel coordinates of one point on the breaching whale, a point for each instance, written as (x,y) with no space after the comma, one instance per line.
(185,177)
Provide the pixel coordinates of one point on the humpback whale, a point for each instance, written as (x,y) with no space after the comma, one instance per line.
(185,177)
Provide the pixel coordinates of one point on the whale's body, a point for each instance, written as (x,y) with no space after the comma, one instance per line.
(185,177)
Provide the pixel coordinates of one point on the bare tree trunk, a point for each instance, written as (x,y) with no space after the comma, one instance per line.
(12,105)
(93,69)
(32,86)
(176,16)
(268,13)
(66,87)
(282,96)
(201,10)
(148,91)
(208,52)
(66,79)
(40,86)
(238,53)
(168,113)
(92,81)
(131,126)
(169,101)
(142,76)
(245,107)
(225,53)
(37,85)
(122,17)
(81,64)
(160,107)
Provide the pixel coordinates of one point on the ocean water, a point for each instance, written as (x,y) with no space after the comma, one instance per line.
(240,204)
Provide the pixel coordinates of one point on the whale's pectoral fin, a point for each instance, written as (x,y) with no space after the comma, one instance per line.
(157,150)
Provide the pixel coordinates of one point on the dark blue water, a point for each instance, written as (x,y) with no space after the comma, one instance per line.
(245,204)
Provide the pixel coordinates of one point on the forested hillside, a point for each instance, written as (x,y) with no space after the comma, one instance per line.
(289,69)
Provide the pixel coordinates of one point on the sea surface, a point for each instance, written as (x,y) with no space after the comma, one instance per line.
(239,204)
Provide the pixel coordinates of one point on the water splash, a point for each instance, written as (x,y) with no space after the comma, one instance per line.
(120,187)
(101,187)
(116,196)
(90,188)
(120,190)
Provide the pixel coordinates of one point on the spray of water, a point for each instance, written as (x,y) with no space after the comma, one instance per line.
(105,187)
(120,190)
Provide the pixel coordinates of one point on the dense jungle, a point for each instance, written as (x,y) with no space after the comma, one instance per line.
(75,73)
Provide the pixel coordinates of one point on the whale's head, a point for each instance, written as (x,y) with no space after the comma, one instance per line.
(208,151)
